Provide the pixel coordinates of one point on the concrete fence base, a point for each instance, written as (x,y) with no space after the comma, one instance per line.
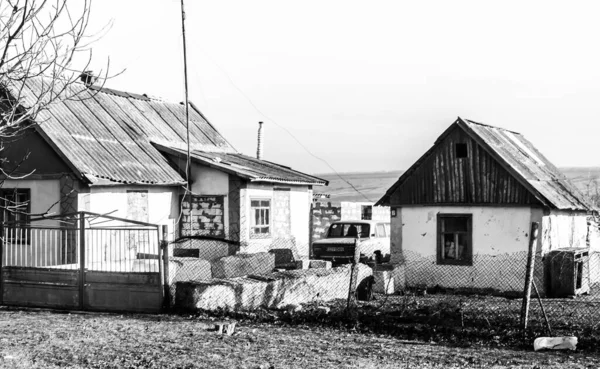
(276,290)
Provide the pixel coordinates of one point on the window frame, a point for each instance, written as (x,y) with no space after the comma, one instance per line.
(364,213)
(468,260)
(269,225)
(25,223)
(345,231)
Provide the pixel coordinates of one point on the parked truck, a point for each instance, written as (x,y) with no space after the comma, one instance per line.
(338,245)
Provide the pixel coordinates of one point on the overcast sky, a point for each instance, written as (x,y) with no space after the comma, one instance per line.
(366,85)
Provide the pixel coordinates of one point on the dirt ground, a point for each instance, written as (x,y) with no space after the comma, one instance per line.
(44,339)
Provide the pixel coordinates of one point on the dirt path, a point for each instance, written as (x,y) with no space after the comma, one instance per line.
(41,339)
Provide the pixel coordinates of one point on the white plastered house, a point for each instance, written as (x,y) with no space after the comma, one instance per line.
(461,215)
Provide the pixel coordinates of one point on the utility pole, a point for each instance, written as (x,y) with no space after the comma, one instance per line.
(188,165)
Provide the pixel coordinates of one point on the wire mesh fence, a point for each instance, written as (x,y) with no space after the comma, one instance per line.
(414,297)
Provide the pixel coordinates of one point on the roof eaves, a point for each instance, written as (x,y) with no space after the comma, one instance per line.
(96,180)
(287,181)
(205,161)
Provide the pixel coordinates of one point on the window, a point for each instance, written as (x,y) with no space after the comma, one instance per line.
(454,239)
(260,210)
(16,209)
(349,230)
(366,212)
(461,150)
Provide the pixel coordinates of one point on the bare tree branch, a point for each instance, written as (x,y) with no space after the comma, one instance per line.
(40,41)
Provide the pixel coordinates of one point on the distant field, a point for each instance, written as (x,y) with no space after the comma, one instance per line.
(370,186)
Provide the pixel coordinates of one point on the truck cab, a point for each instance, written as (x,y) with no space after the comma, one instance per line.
(338,245)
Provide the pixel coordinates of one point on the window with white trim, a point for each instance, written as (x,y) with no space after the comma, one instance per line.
(260,218)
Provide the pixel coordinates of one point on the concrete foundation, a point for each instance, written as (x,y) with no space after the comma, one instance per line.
(274,291)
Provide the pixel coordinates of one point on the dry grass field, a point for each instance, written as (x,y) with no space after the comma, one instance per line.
(44,339)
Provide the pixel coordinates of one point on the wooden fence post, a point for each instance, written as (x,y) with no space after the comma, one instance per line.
(2,244)
(81,260)
(353,276)
(529,275)
(164,245)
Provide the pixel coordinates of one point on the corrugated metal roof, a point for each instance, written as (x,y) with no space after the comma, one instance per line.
(105,134)
(520,158)
(530,165)
(246,167)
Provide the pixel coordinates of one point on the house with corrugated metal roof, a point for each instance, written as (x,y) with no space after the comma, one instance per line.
(123,154)
(462,214)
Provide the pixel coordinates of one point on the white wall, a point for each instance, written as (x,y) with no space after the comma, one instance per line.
(500,243)
(300,215)
(300,199)
(252,245)
(209,181)
(163,207)
(563,229)
(45,196)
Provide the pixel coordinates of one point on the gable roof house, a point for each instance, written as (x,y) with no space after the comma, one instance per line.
(462,213)
(123,154)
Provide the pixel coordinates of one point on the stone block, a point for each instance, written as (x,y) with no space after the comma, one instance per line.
(324,264)
(243,264)
(302,264)
(190,269)
(277,290)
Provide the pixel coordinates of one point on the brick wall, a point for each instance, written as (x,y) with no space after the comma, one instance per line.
(353,211)
(206,213)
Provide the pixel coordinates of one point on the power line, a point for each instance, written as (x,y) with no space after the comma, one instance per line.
(285,129)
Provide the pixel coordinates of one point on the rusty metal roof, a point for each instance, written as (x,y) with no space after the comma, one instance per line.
(247,167)
(523,161)
(105,134)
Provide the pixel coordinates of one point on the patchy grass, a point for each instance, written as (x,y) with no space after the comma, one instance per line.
(42,339)
(449,319)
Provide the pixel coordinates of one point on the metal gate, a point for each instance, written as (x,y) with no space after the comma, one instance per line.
(83,261)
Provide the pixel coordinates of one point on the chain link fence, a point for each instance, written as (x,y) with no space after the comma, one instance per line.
(415,298)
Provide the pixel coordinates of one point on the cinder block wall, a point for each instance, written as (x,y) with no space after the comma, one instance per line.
(322,216)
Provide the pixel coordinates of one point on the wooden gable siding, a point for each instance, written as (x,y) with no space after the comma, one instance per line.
(28,154)
(442,178)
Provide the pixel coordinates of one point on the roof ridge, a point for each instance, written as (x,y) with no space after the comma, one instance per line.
(489,126)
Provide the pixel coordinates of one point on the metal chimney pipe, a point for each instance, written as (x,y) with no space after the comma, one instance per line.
(259,147)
